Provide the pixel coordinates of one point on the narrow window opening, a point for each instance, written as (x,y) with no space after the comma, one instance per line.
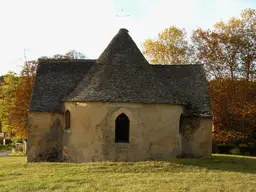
(122,129)
(181,122)
(67,120)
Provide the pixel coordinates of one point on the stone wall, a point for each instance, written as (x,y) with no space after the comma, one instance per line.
(154,132)
(196,136)
(45,132)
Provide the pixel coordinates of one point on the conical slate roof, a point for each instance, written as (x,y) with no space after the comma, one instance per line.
(121,74)
(122,49)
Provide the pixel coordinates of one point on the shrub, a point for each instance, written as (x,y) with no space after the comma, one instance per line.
(214,147)
(18,140)
(231,137)
(225,149)
(235,151)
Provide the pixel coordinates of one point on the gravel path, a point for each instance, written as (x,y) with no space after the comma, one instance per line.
(5,153)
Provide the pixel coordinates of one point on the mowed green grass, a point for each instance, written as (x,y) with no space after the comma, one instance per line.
(220,173)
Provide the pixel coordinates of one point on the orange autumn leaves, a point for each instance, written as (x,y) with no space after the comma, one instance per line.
(15,95)
(228,52)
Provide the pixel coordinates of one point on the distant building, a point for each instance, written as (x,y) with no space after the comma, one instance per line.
(118,108)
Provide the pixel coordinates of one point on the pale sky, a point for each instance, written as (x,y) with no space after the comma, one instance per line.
(48,27)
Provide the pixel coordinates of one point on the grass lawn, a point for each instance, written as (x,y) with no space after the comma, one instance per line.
(5,147)
(220,173)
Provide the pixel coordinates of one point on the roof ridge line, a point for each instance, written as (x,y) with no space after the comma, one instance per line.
(64,60)
(159,64)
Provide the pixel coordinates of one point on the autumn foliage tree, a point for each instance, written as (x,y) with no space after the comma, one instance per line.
(19,113)
(15,95)
(229,55)
(8,90)
(171,47)
(234,120)
(228,52)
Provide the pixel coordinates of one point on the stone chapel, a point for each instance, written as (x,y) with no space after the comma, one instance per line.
(118,107)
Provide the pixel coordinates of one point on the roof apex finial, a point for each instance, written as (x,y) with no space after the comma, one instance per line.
(123,30)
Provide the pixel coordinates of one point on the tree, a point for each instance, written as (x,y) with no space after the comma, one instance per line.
(19,113)
(73,54)
(171,47)
(248,49)
(17,94)
(8,90)
(229,50)
(234,121)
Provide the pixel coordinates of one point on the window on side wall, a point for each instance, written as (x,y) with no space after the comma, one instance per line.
(67,121)
(122,129)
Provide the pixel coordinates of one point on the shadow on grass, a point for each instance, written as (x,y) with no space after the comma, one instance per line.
(222,163)
(231,163)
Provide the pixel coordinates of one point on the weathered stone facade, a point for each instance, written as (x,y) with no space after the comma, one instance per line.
(196,136)
(45,137)
(156,132)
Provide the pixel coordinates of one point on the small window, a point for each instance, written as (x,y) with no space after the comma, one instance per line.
(122,129)
(67,119)
(181,121)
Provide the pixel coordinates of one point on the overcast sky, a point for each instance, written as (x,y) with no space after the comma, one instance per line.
(48,27)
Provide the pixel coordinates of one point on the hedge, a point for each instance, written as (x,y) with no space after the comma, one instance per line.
(233,149)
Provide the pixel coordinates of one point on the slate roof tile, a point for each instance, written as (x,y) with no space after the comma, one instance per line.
(54,80)
(120,74)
